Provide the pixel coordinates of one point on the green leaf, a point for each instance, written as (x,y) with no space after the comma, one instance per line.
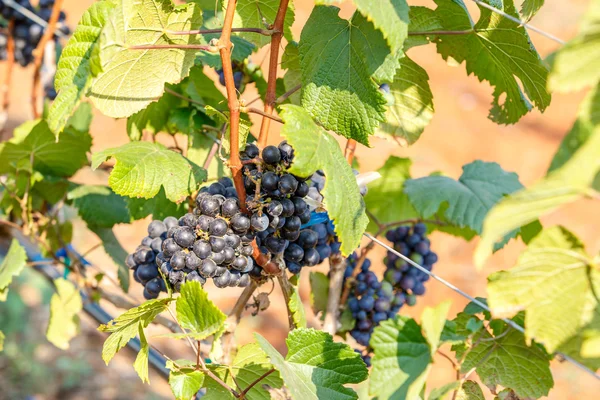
(577,64)
(316,367)
(316,149)
(555,311)
(470,390)
(126,326)
(433,321)
(153,118)
(249,364)
(48,155)
(141,360)
(64,307)
(401,361)
(199,149)
(422,19)
(261,14)
(185,383)
(530,8)
(386,199)
(588,117)
(412,108)
(442,392)
(11,266)
(2,337)
(158,206)
(500,52)
(196,313)
(350,46)
(223,118)
(297,308)
(99,206)
(142,168)
(468,199)
(290,60)
(390,17)
(116,252)
(127,83)
(81,120)
(79,62)
(564,185)
(319,291)
(494,362)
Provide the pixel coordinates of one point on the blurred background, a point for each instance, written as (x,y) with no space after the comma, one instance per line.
(460,132)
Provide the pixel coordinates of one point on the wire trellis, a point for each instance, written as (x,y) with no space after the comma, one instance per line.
(473,299)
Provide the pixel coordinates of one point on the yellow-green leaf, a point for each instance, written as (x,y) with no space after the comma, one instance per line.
(64,307)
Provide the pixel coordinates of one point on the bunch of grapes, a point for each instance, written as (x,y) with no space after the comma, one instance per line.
(27,33)
(238,76)
(277,206)
(413,243)
(371,302)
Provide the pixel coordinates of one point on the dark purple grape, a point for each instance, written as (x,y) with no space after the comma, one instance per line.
(294,253)
(218,227)
(240,223)
(230,207)
(269,181)
(178,260)
(259,222)
(144,255)
(287,184)
(184,236)
(202,249)
(271,155)
(288,207)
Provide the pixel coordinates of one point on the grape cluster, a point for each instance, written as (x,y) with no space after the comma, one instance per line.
(238,76)
(27,33)
(413,243)
(371,302)
(277,206)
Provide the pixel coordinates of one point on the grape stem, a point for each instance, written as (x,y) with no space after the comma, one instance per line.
(252,110)
(38,54)
(264,32)
(337,266)
(225,48)
(202,47)
(287,94)
(270,97)
(286,288)
(350,149)
(235,315)
(439,33)
(260,378)
(10,62)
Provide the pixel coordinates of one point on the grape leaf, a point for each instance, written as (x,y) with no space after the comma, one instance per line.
(142,168)
(79,62)
(185,383)
(199,149)
(158,206)
(385,198)
(553,283)
(564,185)
(260,14)
(141,360)
(470,390)
(412,108)
(469,199)
(2,337)
(577,64)
(99,206)
(587,119)
(131,79)
(249,364)
(196,313)
(297,308)
(124,328)
(316,367)
(498,51)
(48,156)
(403,354)
(324,88)
(116,252)
(153,118)
(11,266)
(82,117)
(315,150)
(530,8)
(494,361)
(422,19)
(442,392)
(64,307)
(319,291)
(290,60)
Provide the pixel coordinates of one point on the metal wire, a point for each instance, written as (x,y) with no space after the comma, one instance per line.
(31,16)
(520,22)
(484,306)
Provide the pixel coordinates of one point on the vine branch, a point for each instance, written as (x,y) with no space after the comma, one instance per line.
(252,110)
(38,54)
(270,97)
(10,62)
(225,47)
(264,32)
(235,315)
(260,378)
(286,288)
(203,47)
(350,149)
(337,266)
